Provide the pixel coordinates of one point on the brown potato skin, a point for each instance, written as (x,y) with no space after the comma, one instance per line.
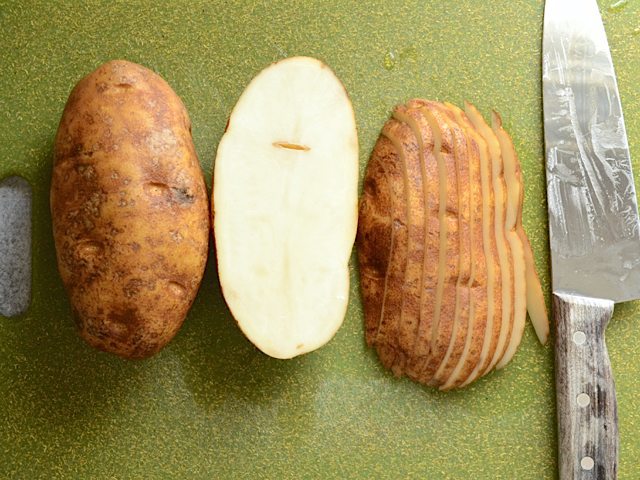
(390,319)
(375,238)
(400,235)
(129,209)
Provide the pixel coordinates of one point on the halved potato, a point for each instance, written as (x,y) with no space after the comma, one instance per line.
(285,207)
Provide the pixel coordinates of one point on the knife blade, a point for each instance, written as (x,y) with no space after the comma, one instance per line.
(15,246)
(594,231)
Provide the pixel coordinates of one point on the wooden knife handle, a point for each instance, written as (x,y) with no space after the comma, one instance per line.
(585,391)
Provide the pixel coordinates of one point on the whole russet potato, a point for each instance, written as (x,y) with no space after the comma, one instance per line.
(129,208)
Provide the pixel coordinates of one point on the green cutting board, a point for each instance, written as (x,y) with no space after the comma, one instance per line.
(210,405)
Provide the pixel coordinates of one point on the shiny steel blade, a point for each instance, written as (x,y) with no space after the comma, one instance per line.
(593,213)
(15,246)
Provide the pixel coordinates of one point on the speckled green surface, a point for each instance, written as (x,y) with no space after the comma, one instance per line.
(210,405)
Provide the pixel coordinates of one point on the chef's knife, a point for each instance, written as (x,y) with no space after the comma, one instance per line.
(593,226)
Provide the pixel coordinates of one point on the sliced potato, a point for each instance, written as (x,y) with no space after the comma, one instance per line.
(514,189)
(453,262)
(536,306)
(376,243)
(285,207)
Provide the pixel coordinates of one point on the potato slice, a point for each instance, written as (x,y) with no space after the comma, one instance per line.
(482,275)
(490,248)
(448,243)
(513,183)
(536,306)
(386,342)
(414,192)
(513,178)
(503,241)
(285,207)
(375,237)
(430,184)
(462,303)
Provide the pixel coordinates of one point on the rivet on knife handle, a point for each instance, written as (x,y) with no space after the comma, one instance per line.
(585,390)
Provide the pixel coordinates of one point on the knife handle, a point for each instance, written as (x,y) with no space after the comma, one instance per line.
(585,391)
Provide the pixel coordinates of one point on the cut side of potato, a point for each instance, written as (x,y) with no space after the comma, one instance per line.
(449,244)
(441,236)
(285,207)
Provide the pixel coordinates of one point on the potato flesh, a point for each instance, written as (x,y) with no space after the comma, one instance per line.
(469,220)
(285,198)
